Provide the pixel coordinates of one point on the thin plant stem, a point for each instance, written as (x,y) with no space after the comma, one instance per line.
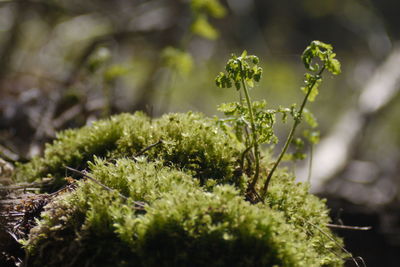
(243,156)
(337,243)
(254,134)
(289,139)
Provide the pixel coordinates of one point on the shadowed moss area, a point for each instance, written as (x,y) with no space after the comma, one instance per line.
(195,213)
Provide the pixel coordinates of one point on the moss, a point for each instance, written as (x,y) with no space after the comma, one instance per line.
(189,141)
(185,221)
(76,147)
(219,226)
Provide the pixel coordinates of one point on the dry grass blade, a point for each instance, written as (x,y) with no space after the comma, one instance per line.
(348,227)
(354,259)
(138,205)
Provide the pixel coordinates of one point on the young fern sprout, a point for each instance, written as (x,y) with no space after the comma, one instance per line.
(316,50)
(243,72)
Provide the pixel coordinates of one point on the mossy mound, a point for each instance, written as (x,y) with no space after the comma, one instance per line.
(194,209)
(189,141)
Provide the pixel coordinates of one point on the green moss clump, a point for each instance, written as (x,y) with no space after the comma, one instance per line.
(195,213)
(189,141)
(75,147)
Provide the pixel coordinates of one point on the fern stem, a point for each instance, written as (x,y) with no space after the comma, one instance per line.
(289,139)
(254,135)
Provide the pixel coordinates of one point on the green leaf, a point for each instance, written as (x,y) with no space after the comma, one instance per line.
(324,52)
(115,71)
(259,105)
(314,91)
(334,65)
(312,136)
(254,59)
(258,74)
(313,81)
(178,60)
(222,81)
(203,28)
(99,58)
(310,118)
(227,108)
(237,85)
(211,7)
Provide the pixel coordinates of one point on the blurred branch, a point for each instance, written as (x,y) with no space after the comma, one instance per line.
(47,127)
(11,44)
(45,5)
(8,154)
(67,115)
(332,154)
(91,47)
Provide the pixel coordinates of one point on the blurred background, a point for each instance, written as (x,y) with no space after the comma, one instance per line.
(65,63)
